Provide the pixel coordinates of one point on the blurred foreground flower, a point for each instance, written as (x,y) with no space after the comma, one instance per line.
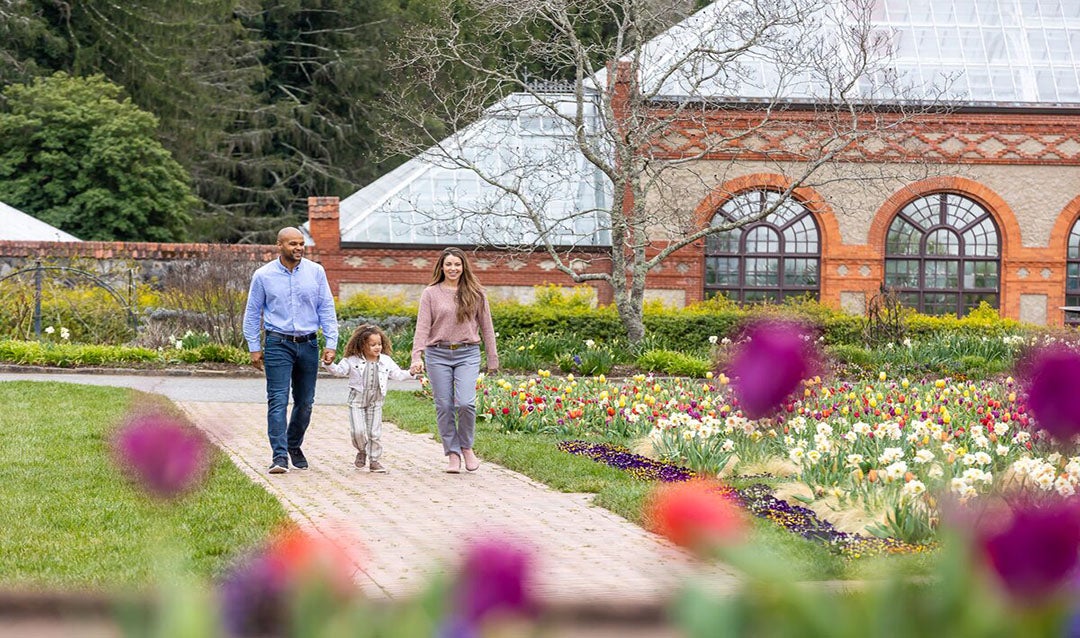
(493,584)
(1053,386)
(257,597)
(697,514)
(1035,548)
(165,456)
(769,366)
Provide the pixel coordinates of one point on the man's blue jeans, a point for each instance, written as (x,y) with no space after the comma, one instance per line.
(296,364)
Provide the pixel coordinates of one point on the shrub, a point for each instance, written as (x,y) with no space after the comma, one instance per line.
(363,305)
(206,296)
(69,299)
(213,353)
(673,363)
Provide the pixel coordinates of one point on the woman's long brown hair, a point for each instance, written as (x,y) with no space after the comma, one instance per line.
(469,290)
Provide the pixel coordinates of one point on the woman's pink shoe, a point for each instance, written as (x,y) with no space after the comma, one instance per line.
(471,462)
(455,464)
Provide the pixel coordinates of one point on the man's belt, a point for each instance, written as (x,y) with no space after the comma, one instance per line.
(292,338)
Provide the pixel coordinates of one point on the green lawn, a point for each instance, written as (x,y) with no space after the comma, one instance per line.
(72,519)
(537,457)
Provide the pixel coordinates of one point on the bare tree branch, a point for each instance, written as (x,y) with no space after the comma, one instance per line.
(791,87)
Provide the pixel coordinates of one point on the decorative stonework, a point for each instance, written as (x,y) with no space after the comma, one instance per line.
(864,270)
(1046,272)
(579,265)
(388,262)
(420,263)
(978,142)
(667,296)
(1022,273)
(1033,309)
(547,264)
(515,264)
(355,262)
(842,270)
(853,302)
(682,268)
(483,264)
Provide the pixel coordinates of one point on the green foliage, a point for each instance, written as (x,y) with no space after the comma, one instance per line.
(213,353)
(364,305)
(77,154)
(66,355)
(516,318)
(908,520)
(674,363)
(577,298)
(595,360)
(77,311)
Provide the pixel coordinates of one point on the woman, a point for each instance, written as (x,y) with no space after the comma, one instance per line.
(452,318)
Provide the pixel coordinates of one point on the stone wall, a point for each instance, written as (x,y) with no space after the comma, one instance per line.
(114,261)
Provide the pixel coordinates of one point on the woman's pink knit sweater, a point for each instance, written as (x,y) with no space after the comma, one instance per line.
(436,322)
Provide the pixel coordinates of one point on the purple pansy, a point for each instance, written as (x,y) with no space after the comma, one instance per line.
(165,456)
(769,366)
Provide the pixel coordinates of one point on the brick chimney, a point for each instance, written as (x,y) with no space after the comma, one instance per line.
(324,223)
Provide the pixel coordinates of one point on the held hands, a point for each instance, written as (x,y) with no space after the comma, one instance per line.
(328,356)
(417,368)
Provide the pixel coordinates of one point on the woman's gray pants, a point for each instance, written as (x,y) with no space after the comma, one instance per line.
(453,374)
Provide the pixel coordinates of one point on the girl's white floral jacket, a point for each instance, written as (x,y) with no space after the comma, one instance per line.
(353,367)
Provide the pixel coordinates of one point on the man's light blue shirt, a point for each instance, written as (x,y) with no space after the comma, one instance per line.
(296,302)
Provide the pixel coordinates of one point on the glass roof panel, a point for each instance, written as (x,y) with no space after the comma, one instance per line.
(1001,52)
(438,198)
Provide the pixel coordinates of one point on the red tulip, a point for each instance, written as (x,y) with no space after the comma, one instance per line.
(696,514)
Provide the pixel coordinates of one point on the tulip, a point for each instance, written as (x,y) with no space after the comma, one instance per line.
(1053,385)
(1035,551)
(163,455)
(770,365)
(695,514)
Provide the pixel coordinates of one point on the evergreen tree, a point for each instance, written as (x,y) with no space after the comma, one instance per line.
(78,155)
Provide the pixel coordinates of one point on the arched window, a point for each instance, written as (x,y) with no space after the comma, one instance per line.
(1072,273)
(943,255)
(766,260)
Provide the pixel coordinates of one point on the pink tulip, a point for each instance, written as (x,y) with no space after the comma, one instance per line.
(166,457)
(1035,550)
(1053,386)
(770,365)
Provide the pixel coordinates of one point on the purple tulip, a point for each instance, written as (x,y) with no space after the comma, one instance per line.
(770,365)
(1036,550)
(166,457)
(253,598)
(1053,386)
(494,579)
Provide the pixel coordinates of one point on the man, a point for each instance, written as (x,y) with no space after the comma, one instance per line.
(291,298)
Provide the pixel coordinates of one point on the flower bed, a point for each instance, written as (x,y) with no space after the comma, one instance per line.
(883,445)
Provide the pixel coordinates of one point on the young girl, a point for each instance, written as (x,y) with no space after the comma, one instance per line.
(368,367)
